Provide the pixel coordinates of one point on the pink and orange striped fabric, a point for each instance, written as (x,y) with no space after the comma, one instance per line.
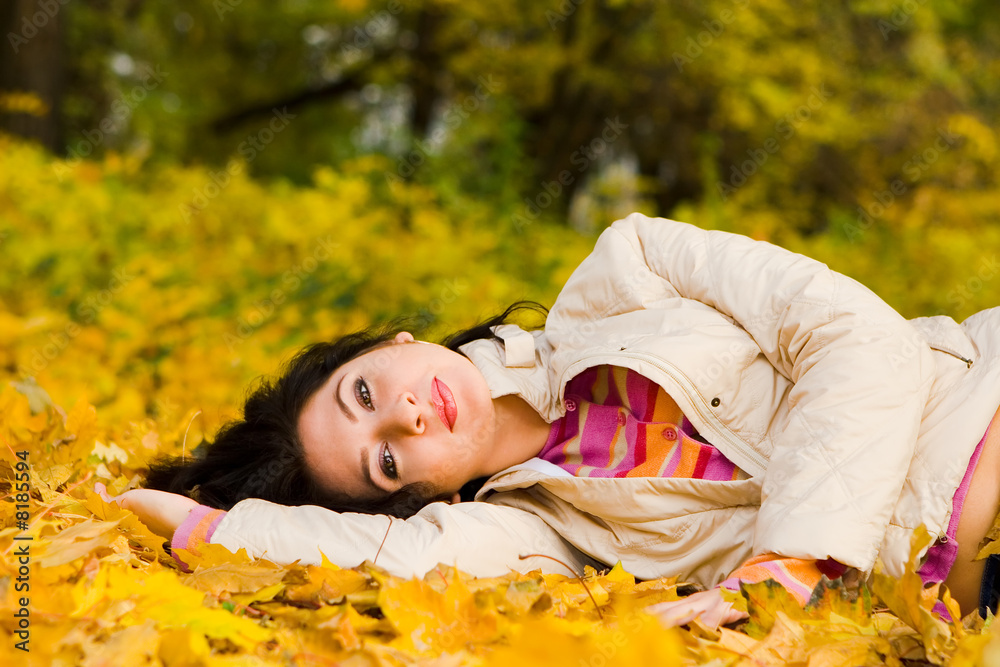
(619,424)
(195,530)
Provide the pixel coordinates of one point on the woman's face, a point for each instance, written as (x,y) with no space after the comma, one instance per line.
(402,413)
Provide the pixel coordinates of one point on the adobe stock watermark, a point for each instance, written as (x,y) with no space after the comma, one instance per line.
(378,24)
(223,7)
(87,312)
(900,16)
(22,555)
(784,129)
(261,481)
(914,169)
(263,310)
(962,293)
(582,158)
(562,12)
(607,647)
(407,165)
(714,27)
(249,149)
(449,294)
(114,122)
(165,407)
(47,10)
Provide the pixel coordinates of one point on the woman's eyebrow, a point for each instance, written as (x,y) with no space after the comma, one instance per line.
(343,406)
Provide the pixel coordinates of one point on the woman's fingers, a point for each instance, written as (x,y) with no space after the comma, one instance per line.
(676,613)
(102,491)
(708,605)
(162,512)
(680,616)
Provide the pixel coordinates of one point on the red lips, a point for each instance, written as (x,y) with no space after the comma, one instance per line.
(444,403)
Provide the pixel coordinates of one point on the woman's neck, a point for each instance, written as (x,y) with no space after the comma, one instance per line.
(520,433)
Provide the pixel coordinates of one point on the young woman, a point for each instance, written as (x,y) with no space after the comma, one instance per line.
(698,404)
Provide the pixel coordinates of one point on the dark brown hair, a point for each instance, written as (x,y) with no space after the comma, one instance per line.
(261,455)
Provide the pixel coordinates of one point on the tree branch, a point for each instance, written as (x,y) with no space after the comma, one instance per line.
(352,81)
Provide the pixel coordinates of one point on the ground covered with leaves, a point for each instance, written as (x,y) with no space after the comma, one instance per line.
(130,327)
(100,589)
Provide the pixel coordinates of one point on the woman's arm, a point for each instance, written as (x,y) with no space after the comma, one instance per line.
(861,372)
(161,511)
(479,538)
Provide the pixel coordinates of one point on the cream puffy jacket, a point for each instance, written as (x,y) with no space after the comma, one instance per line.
(855,424)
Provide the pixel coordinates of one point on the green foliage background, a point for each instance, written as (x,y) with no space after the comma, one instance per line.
(237,179)
(231,180)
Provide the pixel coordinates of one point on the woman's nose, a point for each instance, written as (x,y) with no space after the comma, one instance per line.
(408,417)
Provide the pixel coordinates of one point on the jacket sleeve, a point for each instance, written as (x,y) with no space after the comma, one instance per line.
(196,529)
(861,376)
(478,538)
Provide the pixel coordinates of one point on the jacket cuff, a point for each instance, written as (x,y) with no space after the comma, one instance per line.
(196,529)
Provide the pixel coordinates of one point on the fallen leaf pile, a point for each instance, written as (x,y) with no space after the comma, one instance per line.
(128,331)
(100,589)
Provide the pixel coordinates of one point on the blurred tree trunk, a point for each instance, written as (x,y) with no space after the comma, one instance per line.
(32,62)
(426,66)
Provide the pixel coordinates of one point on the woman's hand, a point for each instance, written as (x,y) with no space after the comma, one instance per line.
(162,512)
(713,609)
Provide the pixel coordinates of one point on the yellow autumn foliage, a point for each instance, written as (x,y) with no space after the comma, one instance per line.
(124,287)
(136,303)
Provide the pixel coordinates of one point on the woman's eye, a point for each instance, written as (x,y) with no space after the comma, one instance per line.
(389,464)
(363,394)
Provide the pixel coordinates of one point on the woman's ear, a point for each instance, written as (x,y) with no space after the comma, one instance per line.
(403,337)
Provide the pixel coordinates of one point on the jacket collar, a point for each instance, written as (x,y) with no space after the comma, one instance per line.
(522,372)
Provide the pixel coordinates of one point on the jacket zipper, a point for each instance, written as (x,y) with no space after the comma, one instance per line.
(968,362)
(691,392)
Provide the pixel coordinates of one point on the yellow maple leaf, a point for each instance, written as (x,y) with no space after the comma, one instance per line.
(767,600)
(429,622)
(235,578)
(547,640)
(210,555)
(20,424)
(109,453)
(76,541)
(327,585)
(183,646)
(907,598)
(162,597)
(991,543)
(81,421)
